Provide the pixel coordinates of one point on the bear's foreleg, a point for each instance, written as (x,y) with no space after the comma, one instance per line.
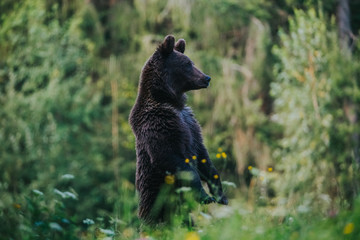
(189,177)
(210,175)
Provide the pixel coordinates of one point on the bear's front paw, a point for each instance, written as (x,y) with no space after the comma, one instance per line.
(207,200)
(223,200)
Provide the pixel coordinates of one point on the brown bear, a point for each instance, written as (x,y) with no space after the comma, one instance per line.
(168,137)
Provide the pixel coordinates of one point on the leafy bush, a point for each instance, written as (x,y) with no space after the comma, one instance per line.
(315,84)
(53,114)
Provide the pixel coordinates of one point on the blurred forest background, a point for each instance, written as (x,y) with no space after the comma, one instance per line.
(280,119)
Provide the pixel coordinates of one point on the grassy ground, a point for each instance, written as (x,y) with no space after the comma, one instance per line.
(48,215)
(239,222)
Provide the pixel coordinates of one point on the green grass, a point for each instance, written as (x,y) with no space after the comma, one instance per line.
(237,222)
(50,215)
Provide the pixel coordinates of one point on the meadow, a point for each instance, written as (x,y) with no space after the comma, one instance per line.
(280,119)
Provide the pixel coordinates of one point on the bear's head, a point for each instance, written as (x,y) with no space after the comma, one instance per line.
(168,74)
(181,73)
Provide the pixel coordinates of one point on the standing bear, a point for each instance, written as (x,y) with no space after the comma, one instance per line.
(169,144)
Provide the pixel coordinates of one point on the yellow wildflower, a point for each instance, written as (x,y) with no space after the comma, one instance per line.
(17,206)
(194,157)
(349,228)
(144,235)
(187,160)
(216,176)
(128,232)
(203,161)
(270,169)
(219,149)
(170,179)
(223,154)
(192,236)
(250,167)
(218,155)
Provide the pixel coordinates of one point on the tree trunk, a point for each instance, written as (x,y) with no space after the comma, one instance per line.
(343,19)
(114,118)
(346,38)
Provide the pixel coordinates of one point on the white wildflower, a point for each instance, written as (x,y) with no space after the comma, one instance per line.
(67,176)
(37,192)
(55,226)
(88,221)
(230,184)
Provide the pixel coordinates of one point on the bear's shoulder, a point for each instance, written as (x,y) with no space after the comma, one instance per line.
(160,117)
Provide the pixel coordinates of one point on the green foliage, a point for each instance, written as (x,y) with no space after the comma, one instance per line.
(280,119)
(316,83)
(54,112)
(42,215)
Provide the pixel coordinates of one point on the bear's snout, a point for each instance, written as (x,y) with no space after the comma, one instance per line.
(207,79)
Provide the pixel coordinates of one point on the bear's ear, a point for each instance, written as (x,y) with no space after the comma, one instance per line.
(180,45)
(167,46)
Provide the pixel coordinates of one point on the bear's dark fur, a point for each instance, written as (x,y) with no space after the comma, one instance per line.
(167,134)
